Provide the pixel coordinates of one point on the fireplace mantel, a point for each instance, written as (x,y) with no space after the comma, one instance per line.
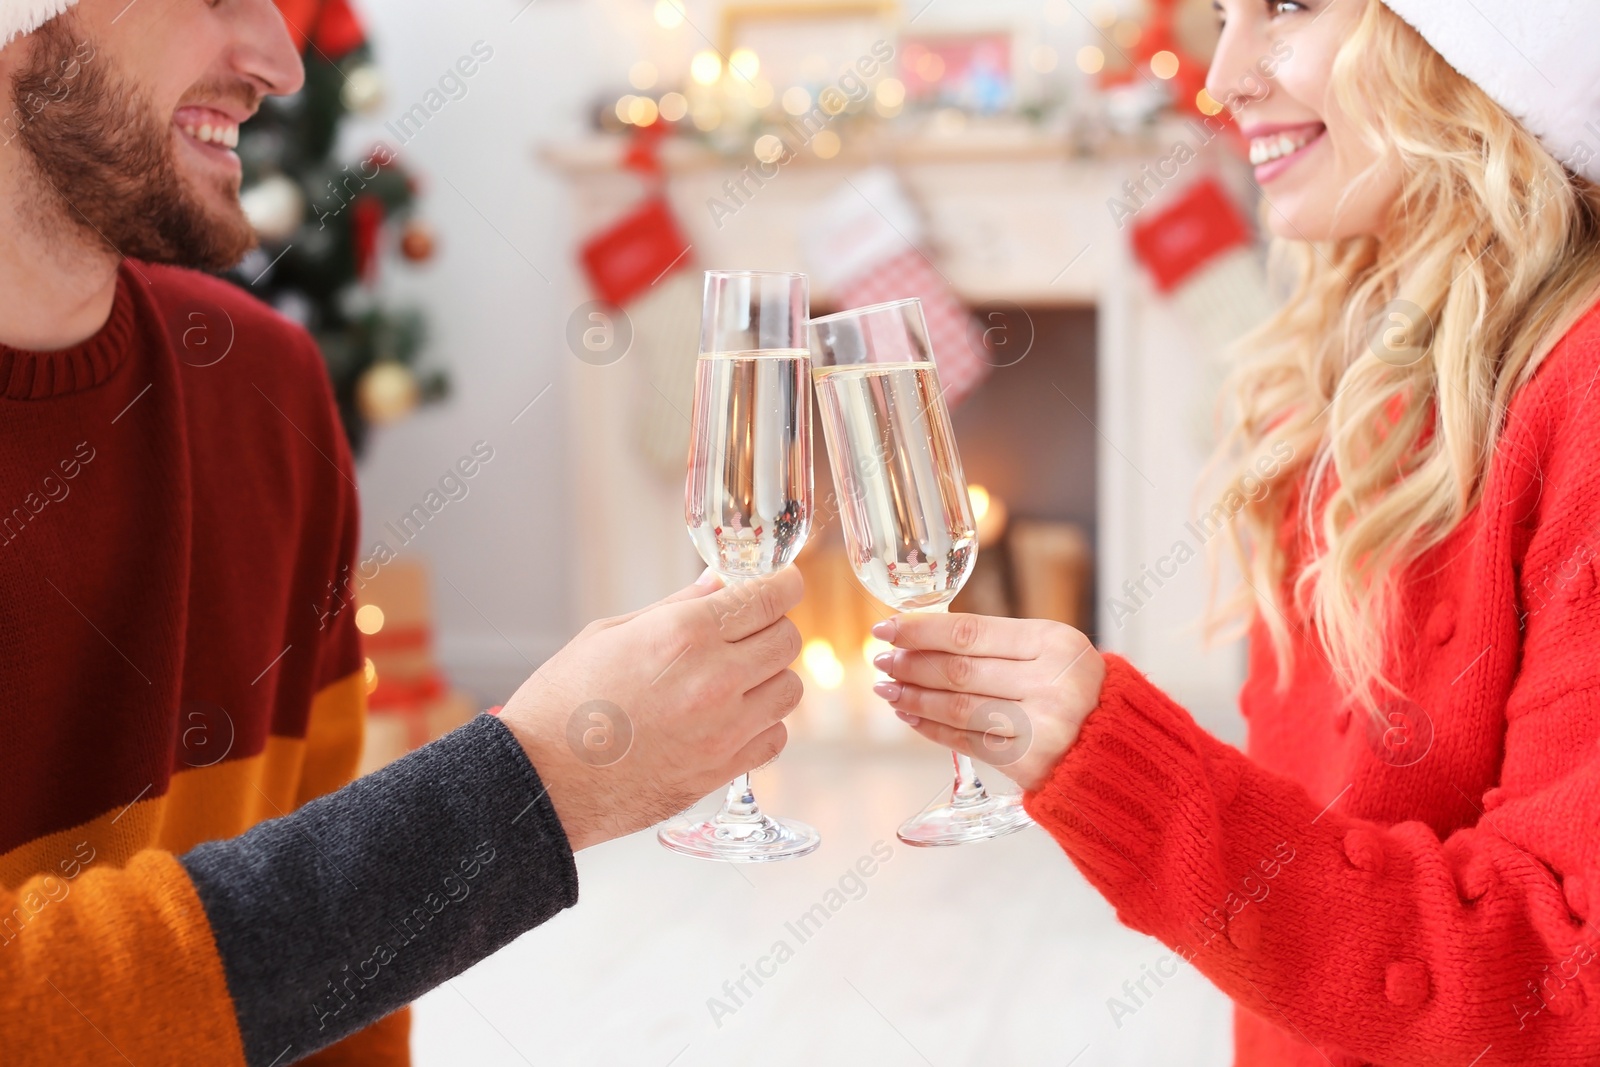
(1011,217)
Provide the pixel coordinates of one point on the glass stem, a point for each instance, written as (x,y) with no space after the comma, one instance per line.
(740,804)
(968,790)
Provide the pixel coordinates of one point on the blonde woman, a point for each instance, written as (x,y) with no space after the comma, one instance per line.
(1404,866)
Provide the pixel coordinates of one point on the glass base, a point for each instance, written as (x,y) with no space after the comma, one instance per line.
(761,840)
(949,823)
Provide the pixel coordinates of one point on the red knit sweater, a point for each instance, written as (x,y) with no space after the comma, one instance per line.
(1424,895)
(176,505)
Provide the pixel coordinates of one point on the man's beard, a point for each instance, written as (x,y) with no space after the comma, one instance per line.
(108,164)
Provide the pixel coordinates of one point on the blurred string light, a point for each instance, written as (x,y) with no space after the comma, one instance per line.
(674,106)
(821,663)
(369,619)
(643,74)
(744,63)
(1164,65)
(705,68)
(669,14)
(1104,15)
(769,148)
(1044,59)
(1207,103)
(890,96)
(825,144)
(369,671)
(796,100)
(1091,60)
(643,111)
(1127,33)
(625,108)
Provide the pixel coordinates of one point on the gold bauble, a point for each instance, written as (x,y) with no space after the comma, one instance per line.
(363,90)
(387,392)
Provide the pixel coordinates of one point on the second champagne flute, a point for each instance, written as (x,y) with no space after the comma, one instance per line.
(908,525)
(747,498)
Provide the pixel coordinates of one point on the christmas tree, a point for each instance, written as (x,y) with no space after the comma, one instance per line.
(323,221)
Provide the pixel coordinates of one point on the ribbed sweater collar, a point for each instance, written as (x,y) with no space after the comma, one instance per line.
(30,375)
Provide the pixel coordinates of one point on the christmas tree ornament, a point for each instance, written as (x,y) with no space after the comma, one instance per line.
(365,224)
(418,242)
(386,392)
(363,91)
(296,307)
(275,207)
(322,270)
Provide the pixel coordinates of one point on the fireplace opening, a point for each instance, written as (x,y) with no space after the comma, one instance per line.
(1028,442)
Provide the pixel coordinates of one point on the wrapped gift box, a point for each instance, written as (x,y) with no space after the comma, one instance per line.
(409,700)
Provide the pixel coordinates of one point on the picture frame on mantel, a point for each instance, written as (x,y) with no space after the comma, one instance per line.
(973,69)
(808,43)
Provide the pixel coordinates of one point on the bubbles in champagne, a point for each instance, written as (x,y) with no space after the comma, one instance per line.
(748,497)
(908,525)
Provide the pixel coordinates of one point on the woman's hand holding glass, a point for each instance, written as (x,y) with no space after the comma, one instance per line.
(1010,692)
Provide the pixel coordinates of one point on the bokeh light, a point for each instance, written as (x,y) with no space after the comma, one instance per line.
(706,67)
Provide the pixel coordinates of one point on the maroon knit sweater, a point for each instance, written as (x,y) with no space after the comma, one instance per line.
(1423,893)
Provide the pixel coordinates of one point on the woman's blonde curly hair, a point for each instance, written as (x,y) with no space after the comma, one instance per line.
(1390,418)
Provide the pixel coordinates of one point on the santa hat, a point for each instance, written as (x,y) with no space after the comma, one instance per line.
(1536,60)
(18,17)
(330,23)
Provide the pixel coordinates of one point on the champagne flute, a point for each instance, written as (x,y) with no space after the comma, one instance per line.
(748,496)
(908,524)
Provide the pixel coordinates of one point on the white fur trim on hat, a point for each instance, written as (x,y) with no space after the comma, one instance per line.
(18,17)
(1536,60)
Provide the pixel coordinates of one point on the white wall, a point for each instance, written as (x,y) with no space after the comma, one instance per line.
(498,295)
(504,283)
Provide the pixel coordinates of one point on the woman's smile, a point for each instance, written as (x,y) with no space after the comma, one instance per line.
(1276,148)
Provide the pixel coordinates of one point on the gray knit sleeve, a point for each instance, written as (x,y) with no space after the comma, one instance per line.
(334,916)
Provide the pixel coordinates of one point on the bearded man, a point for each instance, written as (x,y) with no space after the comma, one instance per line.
(185,874)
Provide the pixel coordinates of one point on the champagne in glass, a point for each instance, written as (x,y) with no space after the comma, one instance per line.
(748,495)
(908,524)
(748,499)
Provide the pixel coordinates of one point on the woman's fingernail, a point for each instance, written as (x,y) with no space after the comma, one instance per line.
(909,720)
(888,690)
(707,576)
(882,661)
(884,631)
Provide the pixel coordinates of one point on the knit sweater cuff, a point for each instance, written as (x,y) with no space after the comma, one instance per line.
(331,917)
(1140,774)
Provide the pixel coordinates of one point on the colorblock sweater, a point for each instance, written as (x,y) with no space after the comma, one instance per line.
(1419,890)
(185,875)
